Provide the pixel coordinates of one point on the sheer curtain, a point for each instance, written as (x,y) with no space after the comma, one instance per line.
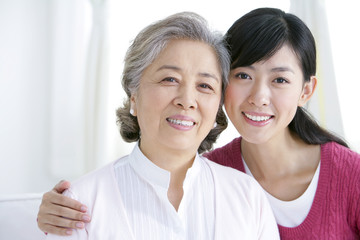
(96,87)
(79,87)
(324,105)
(69,41)
(345,37)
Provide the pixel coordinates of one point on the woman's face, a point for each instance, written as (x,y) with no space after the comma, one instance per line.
(261,100)
(178,97)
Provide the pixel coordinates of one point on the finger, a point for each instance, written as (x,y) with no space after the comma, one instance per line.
(61,186)
(71,214)
(51,197)
(56,230)
(60,222)
(47,207)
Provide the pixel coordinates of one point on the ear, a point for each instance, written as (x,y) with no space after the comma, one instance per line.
(308,91)
(133,104)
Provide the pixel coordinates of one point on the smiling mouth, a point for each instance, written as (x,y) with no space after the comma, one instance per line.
(180,122)
(257,118)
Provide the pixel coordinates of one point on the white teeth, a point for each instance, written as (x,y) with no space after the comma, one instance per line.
(181,122)
(257,118)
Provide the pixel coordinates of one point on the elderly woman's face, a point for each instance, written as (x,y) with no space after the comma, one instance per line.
(178,97)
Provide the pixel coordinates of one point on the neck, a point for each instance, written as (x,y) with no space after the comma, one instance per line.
(177,162)
(284,167)
(277,157)
(172,160)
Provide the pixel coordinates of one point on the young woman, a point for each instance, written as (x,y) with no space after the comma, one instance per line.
(310,176)
(175,74)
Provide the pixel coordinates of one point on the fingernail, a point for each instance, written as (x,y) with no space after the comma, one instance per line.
(68,232)
(79,225)
(86,218)
(83,208)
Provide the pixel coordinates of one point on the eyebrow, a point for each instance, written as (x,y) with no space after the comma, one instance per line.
(169,67)
(208,75)
(275,69)
(202,74)
(282,69)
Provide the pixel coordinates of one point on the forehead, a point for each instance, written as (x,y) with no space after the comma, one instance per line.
(286,51)
(188,54)
(284,56)
(185,47)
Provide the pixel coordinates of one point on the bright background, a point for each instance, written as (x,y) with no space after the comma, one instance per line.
(60,70)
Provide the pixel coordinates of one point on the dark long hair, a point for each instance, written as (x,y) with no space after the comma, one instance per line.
(257,36)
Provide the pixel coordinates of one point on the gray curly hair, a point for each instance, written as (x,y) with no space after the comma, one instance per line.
(147,46)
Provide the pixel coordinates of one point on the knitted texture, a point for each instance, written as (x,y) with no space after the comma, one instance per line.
(335,212)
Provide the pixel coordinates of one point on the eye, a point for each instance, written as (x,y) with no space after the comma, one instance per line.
(169,80)
(281,80)
(242,75)
(205,86)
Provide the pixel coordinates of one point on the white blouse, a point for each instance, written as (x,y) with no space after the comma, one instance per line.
(127,199)
(148,208)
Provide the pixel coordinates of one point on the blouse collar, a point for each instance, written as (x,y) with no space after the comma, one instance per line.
(156,175)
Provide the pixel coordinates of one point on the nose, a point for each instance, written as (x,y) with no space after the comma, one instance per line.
(186,98)
(259,95)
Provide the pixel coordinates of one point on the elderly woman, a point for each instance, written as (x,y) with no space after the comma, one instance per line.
(174,77)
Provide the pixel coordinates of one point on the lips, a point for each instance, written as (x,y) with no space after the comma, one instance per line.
(257,117)
(179,122)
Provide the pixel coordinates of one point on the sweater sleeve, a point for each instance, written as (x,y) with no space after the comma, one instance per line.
(348,173)
(357,216)
(354,191)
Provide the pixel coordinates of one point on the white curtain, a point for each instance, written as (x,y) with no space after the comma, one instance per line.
(324,105)
(79,87)
(96,87)
(69,41)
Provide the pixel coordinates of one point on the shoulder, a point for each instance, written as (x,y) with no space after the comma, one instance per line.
(102,173)
(95,182)
(340,157)
(343,177)
(224,150)
(232,179)
(221,169)
(340,169)
(232,184)
(228,155)
(246,201)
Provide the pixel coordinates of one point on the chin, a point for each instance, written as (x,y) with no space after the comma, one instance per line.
(258,139)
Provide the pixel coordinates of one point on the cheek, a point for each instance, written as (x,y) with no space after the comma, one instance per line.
(209,105)
(149,104)
(233,96)
(288,105)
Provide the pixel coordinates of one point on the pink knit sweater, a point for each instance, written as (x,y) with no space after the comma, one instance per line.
(335,212)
